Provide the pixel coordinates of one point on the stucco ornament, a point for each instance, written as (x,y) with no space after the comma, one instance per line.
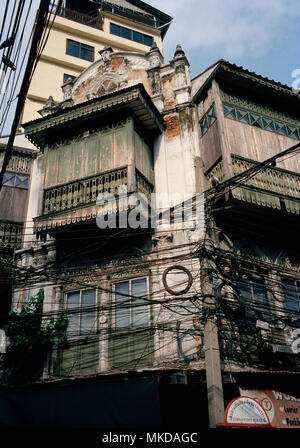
(106,53)
(108,83)
(67,89)
(48,108)
(154,56)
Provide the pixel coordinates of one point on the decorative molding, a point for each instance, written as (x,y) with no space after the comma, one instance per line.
(83,191)
(11,234)
(248,253)
(78,137)
(15,180)
(162,241)
(134,99)
(18,164)
(291,263)
(259,109)
(208,120)
(266,188)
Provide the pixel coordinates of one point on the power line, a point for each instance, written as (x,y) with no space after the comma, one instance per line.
(38,31)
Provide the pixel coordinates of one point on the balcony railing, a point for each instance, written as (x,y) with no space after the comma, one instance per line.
(11,234)
(17,164)
(275,180)
(130,14)
(84,192)
(93,19)
(267,187)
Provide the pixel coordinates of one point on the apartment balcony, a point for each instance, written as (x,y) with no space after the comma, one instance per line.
(93,19)
(135,16)
(271,187)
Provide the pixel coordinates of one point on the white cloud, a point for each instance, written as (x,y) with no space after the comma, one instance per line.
(230,28)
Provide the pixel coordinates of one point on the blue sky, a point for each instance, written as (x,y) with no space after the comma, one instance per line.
(262,35)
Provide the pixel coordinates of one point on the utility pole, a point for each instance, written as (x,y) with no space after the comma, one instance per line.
(211,341)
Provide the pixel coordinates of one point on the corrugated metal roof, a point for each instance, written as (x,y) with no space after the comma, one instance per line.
(224,65)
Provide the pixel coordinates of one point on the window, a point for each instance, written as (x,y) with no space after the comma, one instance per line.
(129,34)
(291,289)
(81,312)
(254,296)
(79,50)
(261,121)
(15,180)
(131,307)
(208,119)
(67,77)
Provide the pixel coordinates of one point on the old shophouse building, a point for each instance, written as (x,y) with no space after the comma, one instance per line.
(168,319)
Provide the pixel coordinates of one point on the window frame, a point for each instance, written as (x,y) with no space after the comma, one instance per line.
(80,46)
(289,310)
(79,333)
(134,34)
(66,76)
(255,302)
(131,327)
(14,177)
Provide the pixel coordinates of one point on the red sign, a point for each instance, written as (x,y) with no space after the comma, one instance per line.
(283,410)
(245,412)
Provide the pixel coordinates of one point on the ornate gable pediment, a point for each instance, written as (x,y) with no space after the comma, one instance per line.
(112,72)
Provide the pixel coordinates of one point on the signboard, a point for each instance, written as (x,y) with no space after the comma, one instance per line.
(283,410)
(245,411)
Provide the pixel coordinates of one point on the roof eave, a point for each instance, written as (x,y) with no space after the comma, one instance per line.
(134,98)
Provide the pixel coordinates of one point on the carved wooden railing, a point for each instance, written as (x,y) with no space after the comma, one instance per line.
(276,181)
(85,191)
(11,234)
(143,186)
(17,164)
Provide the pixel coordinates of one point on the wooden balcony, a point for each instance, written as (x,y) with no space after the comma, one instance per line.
(76,201)
(11,234)
(270,187)
(83,192)
(17,163)
(83,159)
